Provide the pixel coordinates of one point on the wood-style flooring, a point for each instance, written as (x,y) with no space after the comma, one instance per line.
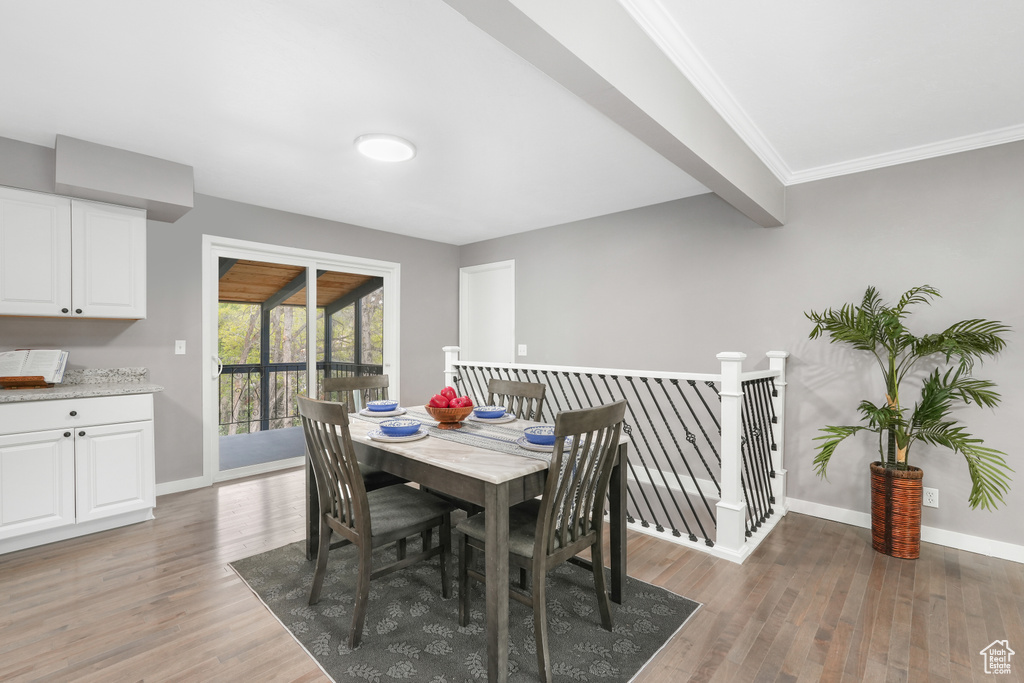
(157,602)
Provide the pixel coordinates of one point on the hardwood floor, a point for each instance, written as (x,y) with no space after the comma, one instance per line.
(157,602)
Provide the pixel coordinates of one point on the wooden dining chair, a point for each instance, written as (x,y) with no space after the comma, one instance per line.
(342,390)
(371,388)
(567,519)
(367,520)
(525,400)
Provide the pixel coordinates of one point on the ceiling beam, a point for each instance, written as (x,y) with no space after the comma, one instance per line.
(350,297)
(225,265)
(288,291)
(597,51)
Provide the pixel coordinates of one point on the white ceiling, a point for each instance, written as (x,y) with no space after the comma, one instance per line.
(822,88)
(264,98)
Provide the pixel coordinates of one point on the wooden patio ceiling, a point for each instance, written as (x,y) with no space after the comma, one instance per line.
(274,284)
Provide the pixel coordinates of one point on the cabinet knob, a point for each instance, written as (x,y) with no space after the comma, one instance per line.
(74,412)
(78,310)
(63,310)
(81,433)
(67,434)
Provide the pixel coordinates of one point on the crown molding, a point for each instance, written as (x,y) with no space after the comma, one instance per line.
(965,143)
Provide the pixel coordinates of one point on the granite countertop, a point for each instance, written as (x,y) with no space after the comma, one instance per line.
(86,383)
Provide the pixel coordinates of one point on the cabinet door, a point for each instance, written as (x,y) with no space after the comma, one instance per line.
(37,482)
(108,269)
(114,469)
(35,253)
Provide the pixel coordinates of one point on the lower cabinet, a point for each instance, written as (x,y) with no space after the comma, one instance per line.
(82,465)
(37,482)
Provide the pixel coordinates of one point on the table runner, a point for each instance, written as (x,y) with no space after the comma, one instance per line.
(493,437)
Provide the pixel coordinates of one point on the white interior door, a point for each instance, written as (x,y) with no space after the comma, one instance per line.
(487,312)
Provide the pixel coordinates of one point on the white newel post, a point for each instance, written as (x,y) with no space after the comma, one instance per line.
(777,361)
(451,355)
(731,508)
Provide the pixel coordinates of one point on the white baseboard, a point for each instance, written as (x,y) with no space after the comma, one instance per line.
(227,475)
(181,485)
(950,539)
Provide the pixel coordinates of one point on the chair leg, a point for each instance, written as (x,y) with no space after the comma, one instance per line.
(321,562)
(540,623)
(362,595)
(445,541)
(464,559)
(524,581)
(427,539)
(603,603)
(400,548)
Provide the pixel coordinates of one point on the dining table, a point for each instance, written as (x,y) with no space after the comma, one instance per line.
(480,463)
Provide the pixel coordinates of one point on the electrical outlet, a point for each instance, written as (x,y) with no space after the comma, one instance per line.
(522,350)
(931,497)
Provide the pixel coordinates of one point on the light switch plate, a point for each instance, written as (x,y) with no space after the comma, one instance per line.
(522,350)
(179,346)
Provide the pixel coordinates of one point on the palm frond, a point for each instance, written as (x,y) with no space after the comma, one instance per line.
(990,478)
(916,295)
(832,437)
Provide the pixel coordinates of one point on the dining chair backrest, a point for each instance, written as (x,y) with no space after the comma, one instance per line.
(525,400)
(370,388)
(339,482)
(572,506)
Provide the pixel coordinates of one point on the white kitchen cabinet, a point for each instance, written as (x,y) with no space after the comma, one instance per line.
(108,261)
(69,257)
(35,253)
(74,466)
(114,470)
(37,482)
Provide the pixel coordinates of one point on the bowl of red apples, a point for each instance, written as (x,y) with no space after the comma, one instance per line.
(449,409)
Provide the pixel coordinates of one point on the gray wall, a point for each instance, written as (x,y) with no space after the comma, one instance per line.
(429,280)
(669,286)
(665,287)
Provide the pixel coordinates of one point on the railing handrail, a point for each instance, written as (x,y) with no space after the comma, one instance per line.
(610,372)
(748,417)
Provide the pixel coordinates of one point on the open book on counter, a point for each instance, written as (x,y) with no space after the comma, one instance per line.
(46,363)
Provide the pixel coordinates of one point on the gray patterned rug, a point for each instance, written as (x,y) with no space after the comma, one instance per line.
(413,634)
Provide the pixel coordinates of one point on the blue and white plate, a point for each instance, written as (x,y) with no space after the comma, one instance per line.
(523,443)
(507,417)
(399,427)
(543,435)
(382,406)
(381,413)
(377,435)
(489,412)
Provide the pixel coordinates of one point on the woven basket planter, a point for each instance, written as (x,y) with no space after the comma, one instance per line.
(896,511)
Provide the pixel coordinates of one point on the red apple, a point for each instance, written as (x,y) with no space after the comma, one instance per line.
(439,401)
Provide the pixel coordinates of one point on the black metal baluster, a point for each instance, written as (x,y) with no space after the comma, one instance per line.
(682,457)
(691,438)
(628,429)
(650,452)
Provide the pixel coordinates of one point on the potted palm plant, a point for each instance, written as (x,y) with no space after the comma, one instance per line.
(879,329)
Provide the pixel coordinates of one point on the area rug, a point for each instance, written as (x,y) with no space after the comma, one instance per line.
(412,634)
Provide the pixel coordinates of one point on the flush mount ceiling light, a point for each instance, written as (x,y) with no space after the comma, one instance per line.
(384,147)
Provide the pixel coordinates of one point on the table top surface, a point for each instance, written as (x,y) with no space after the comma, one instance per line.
(480,463)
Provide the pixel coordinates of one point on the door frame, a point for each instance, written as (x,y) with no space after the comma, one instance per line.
(214,248)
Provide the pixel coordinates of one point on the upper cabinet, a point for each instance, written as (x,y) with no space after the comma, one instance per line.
(70,258)
(108,261)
